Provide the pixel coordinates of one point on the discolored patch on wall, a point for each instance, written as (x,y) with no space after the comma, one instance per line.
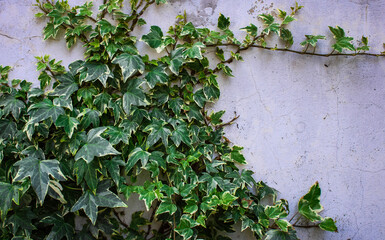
(260,6)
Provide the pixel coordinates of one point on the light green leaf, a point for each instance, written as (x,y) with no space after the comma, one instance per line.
(50,31)
(288,19)
(312,40)
(283,224)
(130,64)
(69,124)
(195,51)
(39,171)
(90,202)
(106,27)
(95,146)
(328,224)
(280,235)
(252,30)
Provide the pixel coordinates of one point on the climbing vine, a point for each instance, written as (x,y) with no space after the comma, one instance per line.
(75,147)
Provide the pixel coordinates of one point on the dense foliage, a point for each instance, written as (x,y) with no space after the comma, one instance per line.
(75,147)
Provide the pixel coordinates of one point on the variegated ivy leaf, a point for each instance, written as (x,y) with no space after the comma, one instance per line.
(136,155)
(156,75)
(251,29)
(309,205)
(66,87)
(39,171)
(8,193)
(95,71)
(117,135)
(177,60)
(68,123)
(60,228)
(276,234)
(155,38)
(271,26)
(12,105)
(223,22)
(342,42)
(328,224)
(129,64)
(95,146)
(103,197)
(181,134)
(166,206)
(158,130)
(195,51)
(43,110)
(312,40)
(134,95)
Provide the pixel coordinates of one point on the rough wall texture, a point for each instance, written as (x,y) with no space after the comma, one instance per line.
(302,118)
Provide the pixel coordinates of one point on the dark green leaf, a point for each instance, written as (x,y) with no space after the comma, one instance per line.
(130,64)
(60,228)
(155,38)
(328,224)
(309,205)
(8,193)
(136,155)
(68,123)
(223,22)
(12,105)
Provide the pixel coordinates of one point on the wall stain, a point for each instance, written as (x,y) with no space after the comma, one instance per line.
(260,6)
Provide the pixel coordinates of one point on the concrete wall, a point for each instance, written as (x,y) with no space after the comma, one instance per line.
(302,118)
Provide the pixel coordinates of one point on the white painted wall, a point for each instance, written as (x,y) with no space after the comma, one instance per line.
(302,118)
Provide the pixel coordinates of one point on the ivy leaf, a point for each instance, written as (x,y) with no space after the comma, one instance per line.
(309,205)
(185,229)
(39,171)
(130,64)
(69,124)
(106,27)
(113,167)
(88,172)
(11,105)
(134,95)
(22,218)
(177,60)
(181,134)
(136,155)
(44,110)
(90,202)
(90,117)
(328,224)
(155,38)
(223,22)
(275,212)
(60,228)
(8,193)
(288,19)
(8,129)
(117,135)
(342,42)
(251,29)
(286,36)
(281,235)
(157,131)
(96,71)
(312,40)
(157,75)
(195,51)
(271,26)
(50,31)
(66,87)
(283,224)
(95,146)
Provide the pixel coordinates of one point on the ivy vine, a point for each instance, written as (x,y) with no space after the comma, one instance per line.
(75,147)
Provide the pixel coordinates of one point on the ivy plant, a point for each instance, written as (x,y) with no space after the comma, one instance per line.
(75,147)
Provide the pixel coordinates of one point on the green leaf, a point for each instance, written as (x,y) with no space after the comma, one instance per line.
(134,95)
(309,205)
(288,19)
(60,229)
(271,26)
(90,117)
(130,64)
(95,146)
(286,36)
(136,155)
(166,206)
(157,131)
(90,202)
(11,105)
(117,135)
(181,134)
(39,171)
(155,38)
(177,60)
(223,22)
(312,40)
(156,75)
(88,172)
(96,71)
(328,224)
(275,212)
(106,27)
(8,129)
(283,224)
(50,31)
(189,29)
(8,193)
(252,30)
(68,123)
(175,104)
(237,156)
(342,42)
(280,235)
(22,218)
(66,87)
(113,167)
(44,110)
(195,51)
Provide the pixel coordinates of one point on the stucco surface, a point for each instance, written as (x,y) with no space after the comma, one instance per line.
(302,118)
